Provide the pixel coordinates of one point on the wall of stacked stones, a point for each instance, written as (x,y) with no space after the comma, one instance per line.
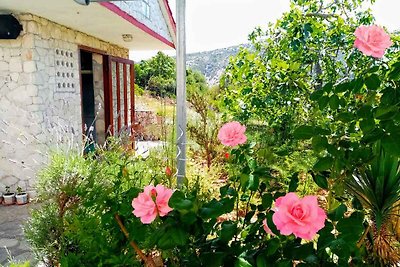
(40,102)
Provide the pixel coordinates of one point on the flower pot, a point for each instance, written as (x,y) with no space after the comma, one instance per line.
(22,198)
(9,198)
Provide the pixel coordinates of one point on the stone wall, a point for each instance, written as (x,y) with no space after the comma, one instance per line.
(40,102)
(155,19)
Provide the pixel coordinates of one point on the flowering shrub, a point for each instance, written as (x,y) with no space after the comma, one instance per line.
(256,222)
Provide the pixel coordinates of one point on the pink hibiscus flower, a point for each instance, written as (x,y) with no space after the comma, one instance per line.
(152,202)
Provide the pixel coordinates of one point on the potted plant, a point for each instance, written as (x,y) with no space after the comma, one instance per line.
(9,198)
(21,196)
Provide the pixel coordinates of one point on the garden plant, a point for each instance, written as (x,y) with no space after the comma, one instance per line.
(318,95)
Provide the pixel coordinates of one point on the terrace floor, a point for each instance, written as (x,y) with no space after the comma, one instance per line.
(13,245)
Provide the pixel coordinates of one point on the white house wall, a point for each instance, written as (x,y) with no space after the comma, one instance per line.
(40,101)
(155,21)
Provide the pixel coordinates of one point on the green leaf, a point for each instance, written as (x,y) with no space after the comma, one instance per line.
(385,112)
(227,191)
(272,246)
(299,252)
(304,132)
(395,71)
(212,210)
(356,85)
(323,164)
(327,87)
(323,102)
(317,94)
(343,87)
(351,228)
(321,181)
(338,213)
(254,181)
(365,112)
(367,125)
(267,200)
(373,82)
(178,201)
(319,143)
(240,262)
(389,97)
(172,237)
(212,259)
(189,218)
(262,261)
(325,236)
(345,117)
(391,144)
(321,131)
(228,231)
(294,182)
(334,102)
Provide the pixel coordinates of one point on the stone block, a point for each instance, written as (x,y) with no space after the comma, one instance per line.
(32,27)
(31,90)
(29,66)
(27,54)
(14,76)
(3,66)
(37,100)
(25,16)
(15,64)
(18,95)
(56,33)
(25,78)
(28,40)
(8,243)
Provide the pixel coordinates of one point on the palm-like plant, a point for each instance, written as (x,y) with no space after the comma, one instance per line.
(377,186)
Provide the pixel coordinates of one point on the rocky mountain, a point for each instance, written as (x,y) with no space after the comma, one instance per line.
(212,63)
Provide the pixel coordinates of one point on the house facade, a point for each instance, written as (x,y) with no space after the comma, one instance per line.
(68,74)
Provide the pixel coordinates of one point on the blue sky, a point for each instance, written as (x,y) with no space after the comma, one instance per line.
(212,24)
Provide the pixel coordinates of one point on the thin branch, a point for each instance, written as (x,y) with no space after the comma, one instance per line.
(147,260)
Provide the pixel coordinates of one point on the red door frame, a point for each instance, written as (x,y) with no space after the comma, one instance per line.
(107,81)
(124,87)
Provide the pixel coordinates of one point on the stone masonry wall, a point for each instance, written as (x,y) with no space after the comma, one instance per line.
(40,102)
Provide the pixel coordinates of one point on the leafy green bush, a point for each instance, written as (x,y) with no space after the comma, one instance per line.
(80,196)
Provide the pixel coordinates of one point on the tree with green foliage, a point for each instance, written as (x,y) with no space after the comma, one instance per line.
(158,75)
(310,45)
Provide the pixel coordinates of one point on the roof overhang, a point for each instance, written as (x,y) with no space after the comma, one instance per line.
(102,20)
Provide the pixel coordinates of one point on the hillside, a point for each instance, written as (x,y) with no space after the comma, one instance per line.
(212,63)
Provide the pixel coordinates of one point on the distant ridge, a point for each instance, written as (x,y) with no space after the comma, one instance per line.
(212,63)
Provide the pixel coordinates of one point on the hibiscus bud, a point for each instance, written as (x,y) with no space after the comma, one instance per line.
(168,171)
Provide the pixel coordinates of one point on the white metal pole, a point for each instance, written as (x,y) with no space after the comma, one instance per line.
(181,90)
